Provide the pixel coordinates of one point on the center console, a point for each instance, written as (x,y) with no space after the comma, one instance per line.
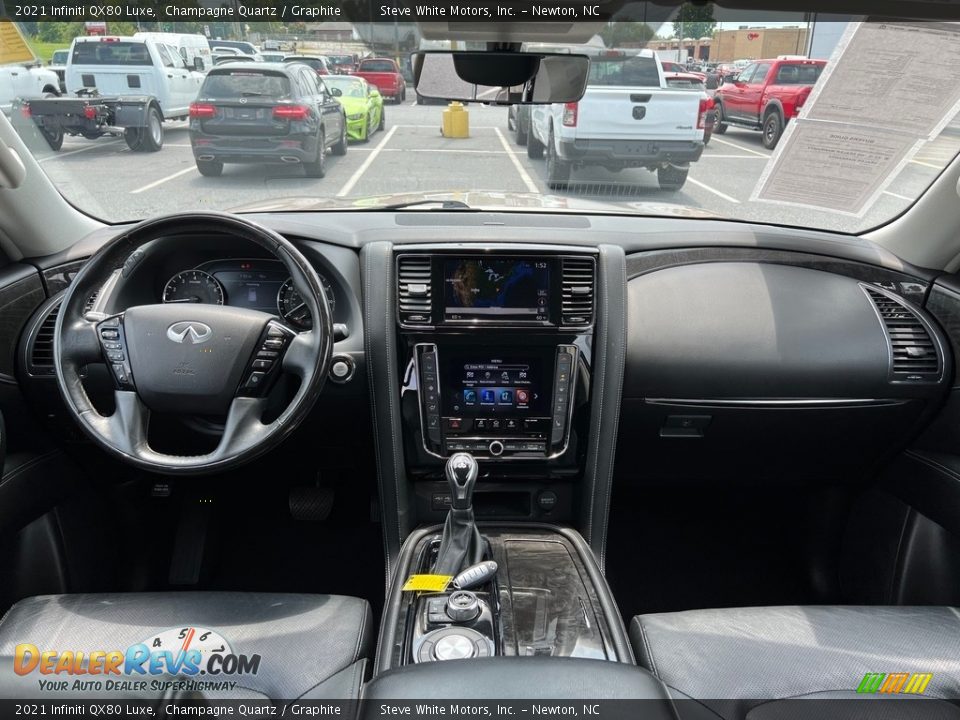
(546,599)
(496,351)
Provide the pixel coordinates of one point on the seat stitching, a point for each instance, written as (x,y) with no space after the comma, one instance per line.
(363,626)
(648,647)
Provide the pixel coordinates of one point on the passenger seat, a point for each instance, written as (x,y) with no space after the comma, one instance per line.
(741,662)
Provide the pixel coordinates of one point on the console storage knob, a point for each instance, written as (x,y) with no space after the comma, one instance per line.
(463,606)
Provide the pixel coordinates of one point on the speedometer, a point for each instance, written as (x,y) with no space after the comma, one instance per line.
(294,310)
(193,286)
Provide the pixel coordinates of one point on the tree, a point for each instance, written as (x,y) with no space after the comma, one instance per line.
(621,33)
(697,20)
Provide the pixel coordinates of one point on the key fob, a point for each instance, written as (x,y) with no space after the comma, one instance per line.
(475,575)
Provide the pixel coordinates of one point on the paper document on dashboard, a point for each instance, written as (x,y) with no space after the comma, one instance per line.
(885,74)
(834,166)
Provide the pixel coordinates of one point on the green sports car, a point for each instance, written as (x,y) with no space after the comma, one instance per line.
(362,104)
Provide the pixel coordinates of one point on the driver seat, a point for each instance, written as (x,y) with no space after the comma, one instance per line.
(284,646)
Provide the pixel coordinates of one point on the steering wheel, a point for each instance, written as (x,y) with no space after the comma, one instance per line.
(190,358)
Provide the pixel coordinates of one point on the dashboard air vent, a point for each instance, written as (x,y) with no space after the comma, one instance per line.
(578,291)
(413,289)
(41,352)
(915,354)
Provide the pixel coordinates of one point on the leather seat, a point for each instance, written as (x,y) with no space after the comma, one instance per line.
(309,646)
(736,661)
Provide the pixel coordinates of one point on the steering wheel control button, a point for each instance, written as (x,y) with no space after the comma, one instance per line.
(255,380)
(263,366)
(112,345)
(463,606)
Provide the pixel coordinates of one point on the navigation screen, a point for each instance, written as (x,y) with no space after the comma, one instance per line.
(496,289)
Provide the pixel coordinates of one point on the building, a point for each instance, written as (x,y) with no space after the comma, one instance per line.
(696,48)
(748,43)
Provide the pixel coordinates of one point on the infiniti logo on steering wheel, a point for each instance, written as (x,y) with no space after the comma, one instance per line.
(190,332)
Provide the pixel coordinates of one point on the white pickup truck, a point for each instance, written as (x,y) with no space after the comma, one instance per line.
(117,86)
(627,118)
(26,81)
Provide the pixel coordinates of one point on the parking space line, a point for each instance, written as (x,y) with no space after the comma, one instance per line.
(447,150)
(740,147)
(355,178)
(729,157)
(713,190)
(899,197)
(161,181)
(437,127)
(524,175)
(78,150)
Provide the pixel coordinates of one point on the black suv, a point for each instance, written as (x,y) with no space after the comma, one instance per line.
(266,113)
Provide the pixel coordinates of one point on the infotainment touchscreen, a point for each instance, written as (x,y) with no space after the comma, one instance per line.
(496,289)
(492,386)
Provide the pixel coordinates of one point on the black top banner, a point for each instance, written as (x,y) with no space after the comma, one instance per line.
(312,11)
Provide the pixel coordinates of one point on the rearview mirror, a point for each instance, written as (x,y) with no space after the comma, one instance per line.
(336,92)
(198,64)
(505,78)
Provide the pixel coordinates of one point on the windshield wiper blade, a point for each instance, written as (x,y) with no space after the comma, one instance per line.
(443,205)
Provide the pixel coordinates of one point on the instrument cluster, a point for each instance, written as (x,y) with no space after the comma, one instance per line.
(256,284)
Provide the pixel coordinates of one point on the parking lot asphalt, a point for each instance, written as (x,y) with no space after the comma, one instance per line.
(104,178)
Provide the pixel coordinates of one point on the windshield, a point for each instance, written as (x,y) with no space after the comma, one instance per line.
(833,125)
(110,53)
(377,66)
(244,83)
(347,86)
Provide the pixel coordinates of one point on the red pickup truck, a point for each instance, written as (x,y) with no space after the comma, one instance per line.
(766,95)
(384,75)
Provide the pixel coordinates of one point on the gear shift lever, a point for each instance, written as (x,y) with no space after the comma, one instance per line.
(461,545)
(462,470)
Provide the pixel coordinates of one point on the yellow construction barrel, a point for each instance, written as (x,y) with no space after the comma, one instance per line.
(456,121)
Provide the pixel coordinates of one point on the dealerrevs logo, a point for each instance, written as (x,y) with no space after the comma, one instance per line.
(186,651)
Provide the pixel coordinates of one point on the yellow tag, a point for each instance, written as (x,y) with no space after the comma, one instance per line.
(427,583)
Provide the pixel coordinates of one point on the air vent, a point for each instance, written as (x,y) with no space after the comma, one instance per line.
(413,289)
(578,291)
(915,354)
(41,352)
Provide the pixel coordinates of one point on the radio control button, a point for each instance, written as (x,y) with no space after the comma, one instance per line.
(496,448)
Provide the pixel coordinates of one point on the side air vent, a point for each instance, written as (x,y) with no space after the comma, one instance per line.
(41,350)
(413,289)
(915,356)
(578,291)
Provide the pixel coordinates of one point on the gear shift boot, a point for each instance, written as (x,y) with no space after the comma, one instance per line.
(461,545)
